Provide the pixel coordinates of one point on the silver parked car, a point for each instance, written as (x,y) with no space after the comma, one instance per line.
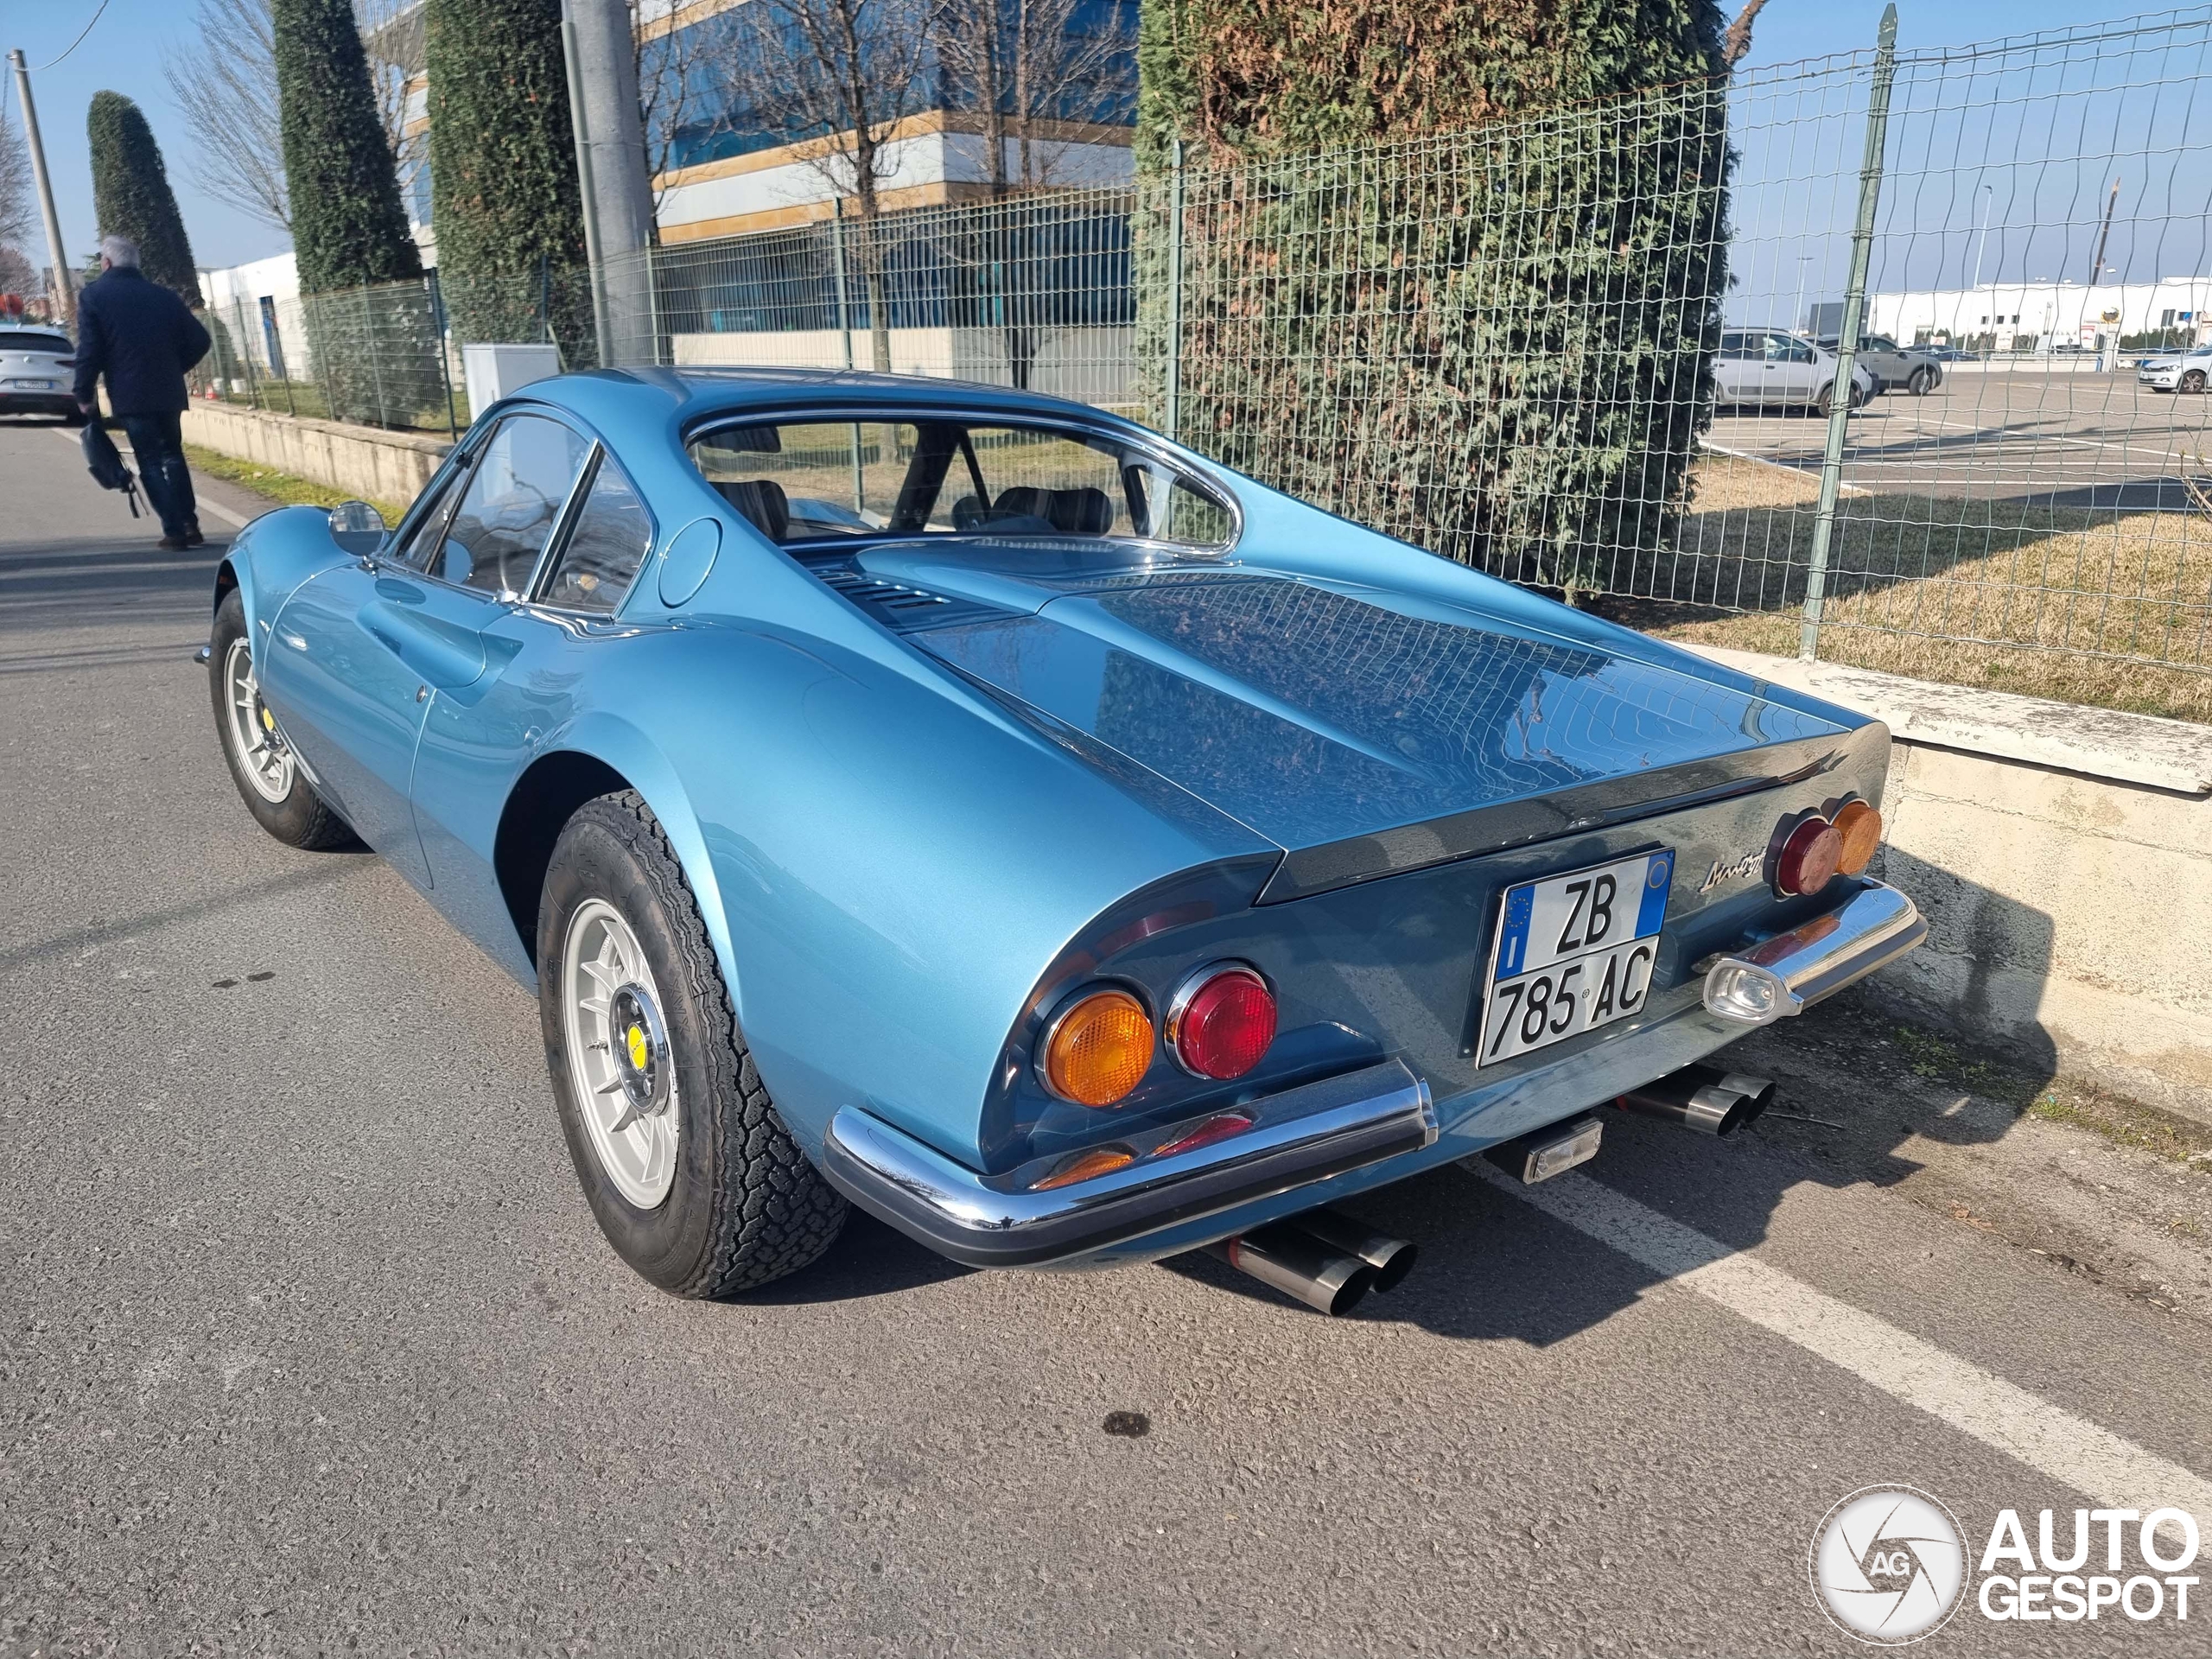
(2186,371)
(1913,368)
(38,373)
(1771,368)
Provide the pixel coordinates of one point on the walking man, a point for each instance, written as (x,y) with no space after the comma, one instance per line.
(141,336)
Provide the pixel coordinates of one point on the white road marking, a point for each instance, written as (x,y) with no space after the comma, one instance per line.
(69,436)
(2069,1449)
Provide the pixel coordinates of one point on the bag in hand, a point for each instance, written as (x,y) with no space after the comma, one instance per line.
(104,461)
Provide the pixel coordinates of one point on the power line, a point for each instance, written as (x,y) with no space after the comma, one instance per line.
(74,44)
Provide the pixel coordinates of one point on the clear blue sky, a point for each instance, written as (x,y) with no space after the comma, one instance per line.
(124,53)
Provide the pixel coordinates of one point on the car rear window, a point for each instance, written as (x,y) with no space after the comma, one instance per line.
(16,339)
(801,481)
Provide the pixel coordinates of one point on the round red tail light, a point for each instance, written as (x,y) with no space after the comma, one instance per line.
(1810,858)
(1222,1021)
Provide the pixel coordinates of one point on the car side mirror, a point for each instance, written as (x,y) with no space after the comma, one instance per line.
(357,527)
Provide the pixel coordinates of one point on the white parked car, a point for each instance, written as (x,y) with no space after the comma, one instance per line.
(1771,368)
(2186,372)
(38,373)
(1910,368)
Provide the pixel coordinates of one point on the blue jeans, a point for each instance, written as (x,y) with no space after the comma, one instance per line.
(157,444)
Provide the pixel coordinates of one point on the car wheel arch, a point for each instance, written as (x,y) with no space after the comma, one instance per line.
(548,793)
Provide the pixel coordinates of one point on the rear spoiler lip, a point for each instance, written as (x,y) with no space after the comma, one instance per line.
(1498,825)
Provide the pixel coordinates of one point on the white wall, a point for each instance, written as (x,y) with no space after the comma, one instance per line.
(2065,311)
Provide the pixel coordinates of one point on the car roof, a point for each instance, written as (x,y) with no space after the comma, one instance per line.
(605,395)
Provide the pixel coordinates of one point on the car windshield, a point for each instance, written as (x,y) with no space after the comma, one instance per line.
(816,480)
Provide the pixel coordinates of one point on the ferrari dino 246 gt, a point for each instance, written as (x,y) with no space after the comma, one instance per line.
(973,807)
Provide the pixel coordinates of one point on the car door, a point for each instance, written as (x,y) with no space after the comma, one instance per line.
(478,738)
(1793,369)
(1736,370)
(359,652)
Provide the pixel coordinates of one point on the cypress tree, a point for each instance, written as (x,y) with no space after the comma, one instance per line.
(504,194)
(348,227)
(1451,267)
(130,192)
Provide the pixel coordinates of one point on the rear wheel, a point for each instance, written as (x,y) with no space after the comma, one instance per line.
(1920,383)
(688,1168)
(262,763)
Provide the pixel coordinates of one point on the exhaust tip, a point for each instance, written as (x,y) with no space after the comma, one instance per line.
(1288,1259)
(1701,1098)
(1391,1258)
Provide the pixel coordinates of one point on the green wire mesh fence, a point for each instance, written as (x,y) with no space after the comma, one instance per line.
(1847,356)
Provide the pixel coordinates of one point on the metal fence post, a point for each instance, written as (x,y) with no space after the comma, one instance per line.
(369,339)
(1175,297)
(445,366)
(1841,394)
(245,350)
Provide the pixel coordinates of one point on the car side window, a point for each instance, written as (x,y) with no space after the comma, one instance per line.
(1737,346)
(1785,348)
(522,477)
(613,534)
(430,521)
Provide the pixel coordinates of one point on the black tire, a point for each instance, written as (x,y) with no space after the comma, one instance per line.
(1826,401)
(302,818)
(2193,381)
(1920,383)
(744,1206)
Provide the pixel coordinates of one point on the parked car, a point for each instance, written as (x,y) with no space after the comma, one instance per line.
(2185,371)
(1948,353)
(972,807)
(1771,368)
(38,373)
(1917,369)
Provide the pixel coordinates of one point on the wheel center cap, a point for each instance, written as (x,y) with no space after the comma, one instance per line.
(639,1043)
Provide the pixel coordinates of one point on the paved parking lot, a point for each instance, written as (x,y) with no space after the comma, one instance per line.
(310,1344)
(2051,439)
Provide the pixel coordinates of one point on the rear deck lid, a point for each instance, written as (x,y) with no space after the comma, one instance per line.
(1365,732)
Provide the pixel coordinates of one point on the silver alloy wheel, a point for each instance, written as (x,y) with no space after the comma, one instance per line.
(261,752)
(619,1053)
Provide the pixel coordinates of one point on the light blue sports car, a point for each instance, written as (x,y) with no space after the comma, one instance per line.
(971,807)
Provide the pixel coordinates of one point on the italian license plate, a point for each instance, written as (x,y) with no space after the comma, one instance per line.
(30,386)
(1573,952)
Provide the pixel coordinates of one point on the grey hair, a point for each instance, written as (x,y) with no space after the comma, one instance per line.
(119,251)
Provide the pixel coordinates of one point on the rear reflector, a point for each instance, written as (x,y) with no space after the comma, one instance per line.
(1809,859)
(1099,1160)
(1220,1126)
(1223,1022)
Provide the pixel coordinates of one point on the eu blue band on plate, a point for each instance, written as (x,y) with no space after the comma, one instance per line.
(1513,947)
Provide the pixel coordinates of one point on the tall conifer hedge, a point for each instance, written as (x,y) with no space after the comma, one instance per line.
(130,192)
(504,194)
(1451,267)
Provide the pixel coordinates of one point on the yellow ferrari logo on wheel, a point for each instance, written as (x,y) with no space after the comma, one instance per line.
(636,1039)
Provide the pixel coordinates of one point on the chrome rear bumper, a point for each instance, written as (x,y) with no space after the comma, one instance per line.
(1870,929)
(1301,1135)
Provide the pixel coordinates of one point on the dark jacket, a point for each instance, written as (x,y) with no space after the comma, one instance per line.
(139,335)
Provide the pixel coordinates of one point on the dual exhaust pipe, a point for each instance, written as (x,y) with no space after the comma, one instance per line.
(1327,1261)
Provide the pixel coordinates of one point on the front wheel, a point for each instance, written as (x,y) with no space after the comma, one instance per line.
(687,1168)
(262,763)
(2193,381)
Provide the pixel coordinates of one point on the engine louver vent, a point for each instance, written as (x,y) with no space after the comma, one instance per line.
(896,606)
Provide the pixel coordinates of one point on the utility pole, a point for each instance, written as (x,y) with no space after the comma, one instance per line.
(611,168)
(2097,266)
(63,294)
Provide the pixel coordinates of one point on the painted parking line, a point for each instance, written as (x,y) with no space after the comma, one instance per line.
(2072,1450)
(213,509)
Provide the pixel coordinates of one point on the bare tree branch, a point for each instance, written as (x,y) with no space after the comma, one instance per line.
(1035,78)
(18,212)
(1737,42)
(224,85)
(668,97)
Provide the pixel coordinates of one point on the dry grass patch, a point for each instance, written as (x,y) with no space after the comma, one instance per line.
(2031,586)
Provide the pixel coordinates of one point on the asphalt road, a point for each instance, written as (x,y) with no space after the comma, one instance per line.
(2078,440)
(308,1342)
